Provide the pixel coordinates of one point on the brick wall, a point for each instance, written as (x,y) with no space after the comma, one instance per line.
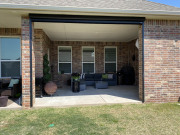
(10,32)
(42,43)
(162,60)
(25,61)
(123,57)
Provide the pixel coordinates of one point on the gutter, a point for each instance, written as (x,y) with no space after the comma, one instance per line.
(88,9)
(31,77)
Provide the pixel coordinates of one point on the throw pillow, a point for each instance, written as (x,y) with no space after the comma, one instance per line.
(12,82)
(110,76)
(104,76)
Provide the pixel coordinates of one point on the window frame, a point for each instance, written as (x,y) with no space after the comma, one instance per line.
(105,57)
(20,60)
(65,62)
(88,62)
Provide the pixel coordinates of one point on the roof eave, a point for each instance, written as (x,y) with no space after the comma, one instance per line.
(89,9)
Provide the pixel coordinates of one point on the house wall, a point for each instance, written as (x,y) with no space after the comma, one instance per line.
(162,60)
(42,44)
(10,32)
(161,57)
(125,51)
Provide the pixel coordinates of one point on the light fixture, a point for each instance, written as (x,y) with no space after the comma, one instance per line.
(137,43)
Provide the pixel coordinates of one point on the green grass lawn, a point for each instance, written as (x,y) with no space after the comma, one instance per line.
(134,119)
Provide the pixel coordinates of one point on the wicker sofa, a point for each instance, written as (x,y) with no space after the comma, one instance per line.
(5,90)
(90,79)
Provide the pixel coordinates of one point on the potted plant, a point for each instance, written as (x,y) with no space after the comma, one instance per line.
(75,76)
(76,82)
(50,87)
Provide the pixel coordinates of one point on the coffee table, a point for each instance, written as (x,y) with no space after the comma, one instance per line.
(101,85)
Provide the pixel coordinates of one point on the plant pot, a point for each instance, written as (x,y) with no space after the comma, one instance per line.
(75,86)
(3,101)
(50,88)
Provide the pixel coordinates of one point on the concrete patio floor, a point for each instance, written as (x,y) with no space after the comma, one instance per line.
(113,95)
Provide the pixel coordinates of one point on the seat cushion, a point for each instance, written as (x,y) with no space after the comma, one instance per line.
(12,82)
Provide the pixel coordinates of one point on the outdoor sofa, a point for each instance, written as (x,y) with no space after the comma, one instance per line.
(10,87)
(90,79)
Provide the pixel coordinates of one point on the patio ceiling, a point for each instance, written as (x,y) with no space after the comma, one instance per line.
(89,32)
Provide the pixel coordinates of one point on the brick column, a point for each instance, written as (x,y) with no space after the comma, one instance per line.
(140,65)
(25,52)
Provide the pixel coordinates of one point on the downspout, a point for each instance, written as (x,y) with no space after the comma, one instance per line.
(143,91)
(30,43)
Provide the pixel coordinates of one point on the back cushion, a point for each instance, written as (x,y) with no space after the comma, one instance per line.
(12,82)
(110,76)
(89,76)
(97,77)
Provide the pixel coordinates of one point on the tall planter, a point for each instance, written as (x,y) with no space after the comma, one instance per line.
(75,86)
(76,82)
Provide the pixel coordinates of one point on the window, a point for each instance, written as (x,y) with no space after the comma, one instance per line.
(110,59)
(88,57)
(65,59)
(10,57)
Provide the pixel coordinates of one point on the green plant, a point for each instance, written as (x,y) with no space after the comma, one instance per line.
(18,95)
(75,76)
(46,69)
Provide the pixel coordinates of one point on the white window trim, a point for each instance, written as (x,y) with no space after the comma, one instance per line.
(11,60)
(65,62)
(88,62)
(110,61)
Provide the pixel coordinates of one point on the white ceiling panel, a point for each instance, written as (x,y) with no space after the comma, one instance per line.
(89,32)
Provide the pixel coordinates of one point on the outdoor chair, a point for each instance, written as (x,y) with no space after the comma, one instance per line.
(10,89)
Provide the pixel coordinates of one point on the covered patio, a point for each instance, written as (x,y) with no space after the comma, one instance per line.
(67,42)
